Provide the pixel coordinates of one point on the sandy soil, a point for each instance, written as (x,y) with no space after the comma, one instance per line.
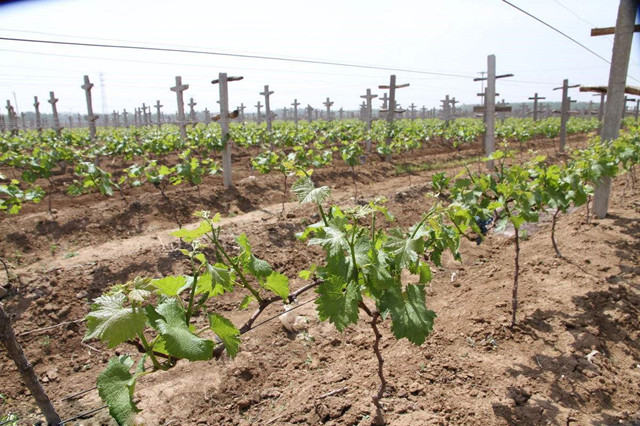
(573,359)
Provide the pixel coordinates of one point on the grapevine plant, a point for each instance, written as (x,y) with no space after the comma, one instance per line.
(167,319)
(364,265)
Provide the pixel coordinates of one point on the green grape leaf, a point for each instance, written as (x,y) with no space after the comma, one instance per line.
(409,314)
(334,241)
(258,267)
(306,192)
(278,283)
(404,249)
(112,322)
(244,304)
(227,332)
(216,281)
(171,285)
(115,386)
(170,321)
(189,236)
(338,304)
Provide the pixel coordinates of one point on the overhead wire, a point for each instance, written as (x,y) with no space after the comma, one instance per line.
(562,33)
(233,55)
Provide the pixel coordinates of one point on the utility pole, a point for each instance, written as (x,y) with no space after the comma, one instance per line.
(624,30)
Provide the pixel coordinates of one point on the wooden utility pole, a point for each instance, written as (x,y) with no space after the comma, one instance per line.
(224,126)
(625,26)
(489,108)
(564,111)
(368,116)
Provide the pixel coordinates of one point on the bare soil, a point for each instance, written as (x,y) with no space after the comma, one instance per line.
(574,357)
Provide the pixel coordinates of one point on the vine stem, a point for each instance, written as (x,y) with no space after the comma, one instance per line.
(553,233)
(375,316)
(149,350)
(514,293)
(25,368)
(173,209)
(235,267)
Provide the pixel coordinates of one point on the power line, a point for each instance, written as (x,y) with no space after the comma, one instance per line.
(233,55)
(561,33)
(574,13)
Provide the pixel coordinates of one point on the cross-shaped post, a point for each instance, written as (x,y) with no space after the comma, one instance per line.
(56,120)
(207,116)
(179,88)
(453,103)
(158,114)
(385,104)
(328,104)
(91,117)
(23,120)
(124,117)
(142,111)
(13,119)
(535,100)
(267,109)
(623,37)
(114,117)
(192,112)
(258,116)
(392,103)
(309,110)
(222,81)
(601,105)
(564,112)
(625,111)
(489,108)
(423,112)
(412,108)
(446,108)
(284,113)
(340,113)
(368,115)
(241,110)
(36,105)
(392,97)
(295,111)
(136,113)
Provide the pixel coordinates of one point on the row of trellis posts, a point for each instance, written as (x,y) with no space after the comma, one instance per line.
(489,110)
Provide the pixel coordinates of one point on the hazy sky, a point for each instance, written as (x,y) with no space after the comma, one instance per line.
(442,36)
